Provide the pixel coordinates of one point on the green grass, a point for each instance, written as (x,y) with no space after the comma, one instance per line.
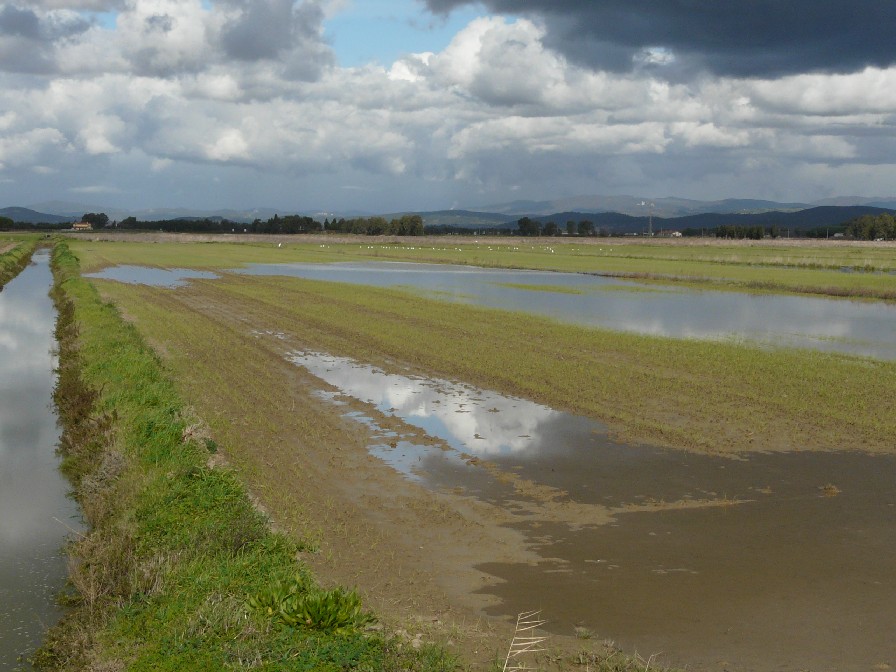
(175,550)
(13,260)
(552,289)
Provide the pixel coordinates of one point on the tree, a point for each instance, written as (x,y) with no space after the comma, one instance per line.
(586,228)
(571,228)
(6,223)
(98,220)
(551,229)
(870,227)
(528,227)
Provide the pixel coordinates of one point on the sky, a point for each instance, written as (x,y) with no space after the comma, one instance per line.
(392,105)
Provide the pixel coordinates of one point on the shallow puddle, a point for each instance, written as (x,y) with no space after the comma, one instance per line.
(35,512)
(773,561)
(154,277)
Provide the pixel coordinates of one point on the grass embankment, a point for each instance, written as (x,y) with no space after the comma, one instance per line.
(833,269)
(14,256)
(176,552)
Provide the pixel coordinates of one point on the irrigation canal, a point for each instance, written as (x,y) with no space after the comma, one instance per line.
(35,512)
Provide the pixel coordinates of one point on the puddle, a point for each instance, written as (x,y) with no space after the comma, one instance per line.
(154,277)
(36,512)
(708,560)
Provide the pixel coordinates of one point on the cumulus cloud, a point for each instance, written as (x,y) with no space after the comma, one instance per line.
(744,38)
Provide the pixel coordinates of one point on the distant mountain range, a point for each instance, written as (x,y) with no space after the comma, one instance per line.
(33,217)
(810,218)
(638,206)
(618,214)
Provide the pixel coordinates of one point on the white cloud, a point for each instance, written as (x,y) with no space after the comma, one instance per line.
(872,90)
(230,145)
(95,189)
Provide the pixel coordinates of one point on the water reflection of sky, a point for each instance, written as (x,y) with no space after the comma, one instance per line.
(156,277)
(856,327)
(473,421)
(34,508)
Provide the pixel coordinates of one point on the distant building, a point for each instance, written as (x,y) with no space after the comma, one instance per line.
(82,226)
(669,234)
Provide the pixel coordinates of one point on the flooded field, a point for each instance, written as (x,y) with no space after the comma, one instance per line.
(835,325)
(771,561)
(35,514)
(752,561)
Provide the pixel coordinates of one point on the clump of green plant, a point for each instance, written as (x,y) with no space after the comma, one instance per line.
(14,260)
(299,603)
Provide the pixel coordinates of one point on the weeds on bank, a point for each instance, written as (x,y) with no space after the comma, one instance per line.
(300,603)
(176,552)
(14,260)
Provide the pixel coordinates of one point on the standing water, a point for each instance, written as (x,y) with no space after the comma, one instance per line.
(35,513)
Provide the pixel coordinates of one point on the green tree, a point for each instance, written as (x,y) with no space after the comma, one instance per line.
(528,227)
(98,219)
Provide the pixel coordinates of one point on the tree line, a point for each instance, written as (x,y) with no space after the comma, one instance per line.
(739,232)
(532,227)
(288,224)
(406,225)
(872,227)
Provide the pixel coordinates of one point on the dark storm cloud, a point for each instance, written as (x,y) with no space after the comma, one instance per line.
(25,23)
(265,28)
(262,30)
(28,41)
(19,22)
(733,37)
(268,29)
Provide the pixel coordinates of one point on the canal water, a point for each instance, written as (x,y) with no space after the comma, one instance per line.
(35,512)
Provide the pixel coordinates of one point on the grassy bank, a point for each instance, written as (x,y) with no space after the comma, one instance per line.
(833,269)
(14,256)
(178,571)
